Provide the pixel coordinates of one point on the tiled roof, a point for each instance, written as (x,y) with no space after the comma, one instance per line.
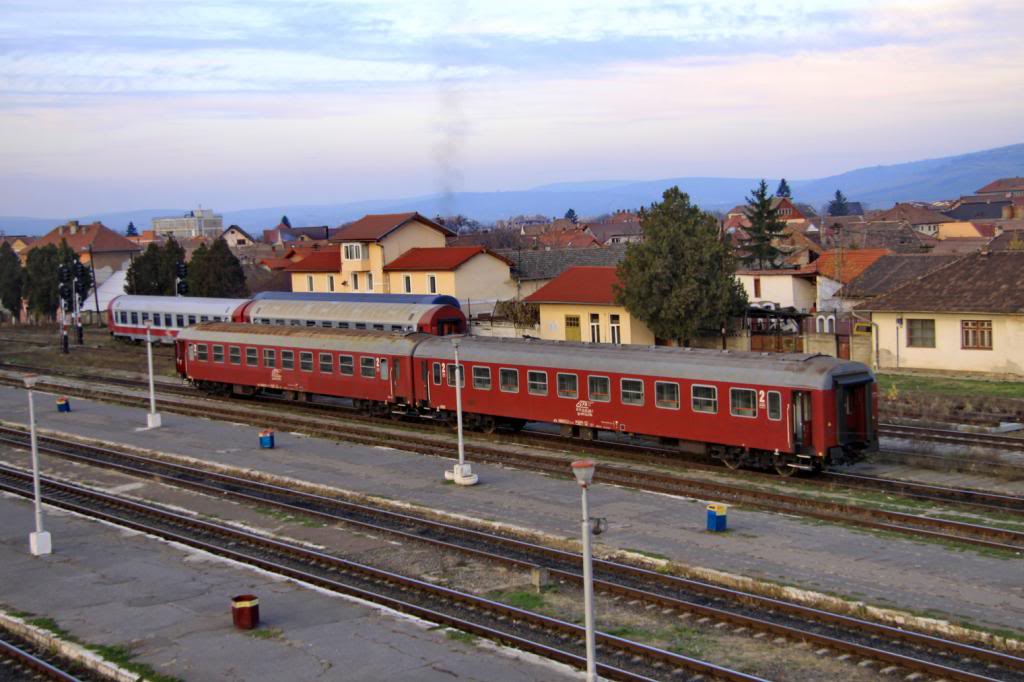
(1008,240)
(439,258)
(959,246)
(896,236)
(581,284)
(844,266)
(276,263)
(534,264)
(318,261)
(576,239)
(978,208)
(238,229)
(97,235)
(985,282)
(1002,185)
(376,226)
(915,215)
(892,271)
(602,232)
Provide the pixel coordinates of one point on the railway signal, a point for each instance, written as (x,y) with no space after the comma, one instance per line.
(65,294)
(82,286)
(180,277)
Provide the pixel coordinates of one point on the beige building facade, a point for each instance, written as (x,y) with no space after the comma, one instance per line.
(786,289)
(466,273)
(591,323)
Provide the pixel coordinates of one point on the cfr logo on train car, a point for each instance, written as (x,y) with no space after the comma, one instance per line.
(275,375)
(584,408)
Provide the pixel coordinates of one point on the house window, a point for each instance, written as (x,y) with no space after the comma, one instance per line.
(309,282)
(537,382)
(508,380)
(616,328)
(595,328)
(346,365)
(632,392)
(201,352)
(666,395)
(568,386)
(218,353)
(355,281)
(482,378)
(921,333)
(976,334)
(306,361)
(775,405)
(432,283)
(757,287)
(599,389)
(369,281)
(326,363)
(252,358)
(235,355)
(407,283)
(743,402)
(269,357)
(450,371)
(287,359)
(353,251)
(367,368)
(704,399)
(330,282)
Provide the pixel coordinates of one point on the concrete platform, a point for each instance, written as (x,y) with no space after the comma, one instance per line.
(895,572)
(171,606)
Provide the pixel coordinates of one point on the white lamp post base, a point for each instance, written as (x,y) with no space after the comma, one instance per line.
(39,543)
(153,420)
(461,474)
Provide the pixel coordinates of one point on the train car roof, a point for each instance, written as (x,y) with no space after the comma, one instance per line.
(304,338)
(790,370)
(177,304)
(345,311)
(429,299)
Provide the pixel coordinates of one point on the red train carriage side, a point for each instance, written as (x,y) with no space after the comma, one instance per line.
(371,368)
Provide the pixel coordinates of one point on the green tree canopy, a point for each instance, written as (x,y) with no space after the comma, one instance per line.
(42,279)
(765,229)
(12,277)
(571,216)
(285,221)
(130,231)
(153,273)
(783,189)
(680,280)
(838,205)
(216,272)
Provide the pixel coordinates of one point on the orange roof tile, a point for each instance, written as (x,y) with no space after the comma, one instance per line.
(580,284)
(318,261)
(848,263)
(439,258)
(376,226)
(97,235)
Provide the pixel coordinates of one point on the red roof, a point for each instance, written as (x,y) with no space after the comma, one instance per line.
(580,284)
(97,235)
(318,261)
(370,228)
(849,262)
(439,258)
(574,239)
(1002,185)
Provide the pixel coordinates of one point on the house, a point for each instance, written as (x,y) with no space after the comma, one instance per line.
(578,238)
(788,211)
(854,232)
(533,268)
(890,272)
(920,218)
(466,272)
(579,305)
(835,269)
(967,316)
(283,234)
(18,242)
(781,288)
(236,236)
(616,233)
(980,207)
(1003,187)
(317,271)
(95,244)
(1009,240)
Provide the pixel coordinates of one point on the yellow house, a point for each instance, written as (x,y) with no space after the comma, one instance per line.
(466,272)
(579,305)
(956,230)
(319,271)
(966,316)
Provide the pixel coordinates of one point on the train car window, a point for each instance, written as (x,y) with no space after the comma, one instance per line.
(360,325)
(704,398)
(327,324)
(201,351)
(774,405)
(145,318)
(235,355)
(287,359)
(343,325)
(384,369)
(156,320)
(310,323)
(326,363)
(666,395)
(251,357)
(181,320)
(135,318)
(168,320)
(218,353)
(599,389)
(269,357)
(508,380)
(632,391)
(346,365)
(191,319)
(537,382)
(568,386)
(379,327)
(743,402)
(204,318)
(367,368)
(450,375)
(437,374)
(279,323)
(306,361)
(482,378)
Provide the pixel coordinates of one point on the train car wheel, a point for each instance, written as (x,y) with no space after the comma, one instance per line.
(488,424)
(783,469)
(733,459)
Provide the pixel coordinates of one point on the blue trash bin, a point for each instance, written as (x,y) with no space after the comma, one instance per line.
(63,405)
(267,439)
(717,516)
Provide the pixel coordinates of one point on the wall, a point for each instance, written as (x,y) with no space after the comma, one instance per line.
(320,283)
(486,277)
(552,322)
(785,290)
(411,235)
(961,229)
(1004,358)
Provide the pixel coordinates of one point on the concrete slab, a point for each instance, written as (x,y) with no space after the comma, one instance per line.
(893,572)
(171,606)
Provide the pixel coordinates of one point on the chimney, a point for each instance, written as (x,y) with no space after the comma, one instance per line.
(73,226)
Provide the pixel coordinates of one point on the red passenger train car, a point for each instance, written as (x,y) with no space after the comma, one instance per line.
(791,412)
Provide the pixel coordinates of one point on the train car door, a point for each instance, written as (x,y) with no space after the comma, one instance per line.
(385,376)
(425,380)
(802,433)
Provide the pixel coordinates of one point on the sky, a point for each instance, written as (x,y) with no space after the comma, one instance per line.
(114,105)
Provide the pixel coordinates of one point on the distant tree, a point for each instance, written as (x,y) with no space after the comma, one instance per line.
(570,215)
(42,278)
(12,278)
(459,223)
(783,190)
(766,228)
(216,272)
(285,221)
(521,314)
(838,206)
(130,231)
(680,280)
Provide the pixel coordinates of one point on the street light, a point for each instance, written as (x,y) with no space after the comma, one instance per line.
(461,473)
(583,470)
(153,418)
(39,542)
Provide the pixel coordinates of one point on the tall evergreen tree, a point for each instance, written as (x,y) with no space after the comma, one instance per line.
(765,229)
(198,273)
(42,278)
(680,280)
(130,231)
(838,206)
(783,190)
(143,276)
(571,216)
(171,254)
(12,277)
(285,221)
(216,272)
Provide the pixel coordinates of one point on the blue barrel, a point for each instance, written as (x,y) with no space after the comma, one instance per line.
(717,516)
(63,405)
(267,439)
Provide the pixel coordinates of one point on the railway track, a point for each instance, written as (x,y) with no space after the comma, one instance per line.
(526,630)
(989,440)
(847,635)
(21,660)
(555,464)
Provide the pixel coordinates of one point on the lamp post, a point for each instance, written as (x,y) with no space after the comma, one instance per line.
(153,420)
(583,470)
(461,473)
(39,542)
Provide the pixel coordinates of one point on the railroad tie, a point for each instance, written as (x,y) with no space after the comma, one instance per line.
(889,670)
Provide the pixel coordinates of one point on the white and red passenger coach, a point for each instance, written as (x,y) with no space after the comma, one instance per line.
(787,411)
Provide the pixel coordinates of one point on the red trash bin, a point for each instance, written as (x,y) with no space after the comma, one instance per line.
(245,611)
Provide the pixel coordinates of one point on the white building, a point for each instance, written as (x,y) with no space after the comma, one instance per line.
(199,223)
